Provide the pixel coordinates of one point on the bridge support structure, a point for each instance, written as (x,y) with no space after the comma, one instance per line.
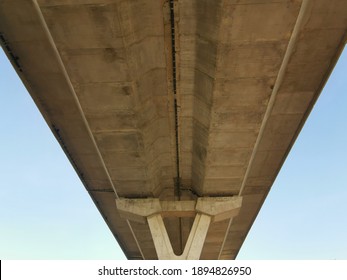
(205,210)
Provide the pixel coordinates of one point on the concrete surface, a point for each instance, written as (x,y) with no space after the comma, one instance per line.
(246,73)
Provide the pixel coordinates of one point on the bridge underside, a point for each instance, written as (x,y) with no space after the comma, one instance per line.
(175,101)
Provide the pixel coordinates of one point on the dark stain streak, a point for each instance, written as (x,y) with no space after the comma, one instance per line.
(110,55)
(126,91)
(13,57)
(57,134)
(101,190)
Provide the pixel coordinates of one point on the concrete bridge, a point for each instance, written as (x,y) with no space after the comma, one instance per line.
(176,115)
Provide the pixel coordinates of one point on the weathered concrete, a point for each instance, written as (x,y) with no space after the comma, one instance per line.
(247,75)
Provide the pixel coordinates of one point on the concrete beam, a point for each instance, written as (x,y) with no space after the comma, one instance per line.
(219,208)
(185,208)
(138,210)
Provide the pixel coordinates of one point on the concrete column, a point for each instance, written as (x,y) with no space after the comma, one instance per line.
(197,236)
(160,238)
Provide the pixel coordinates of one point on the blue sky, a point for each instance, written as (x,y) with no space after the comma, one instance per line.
(45,212)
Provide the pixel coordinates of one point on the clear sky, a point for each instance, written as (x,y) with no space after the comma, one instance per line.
(45,212)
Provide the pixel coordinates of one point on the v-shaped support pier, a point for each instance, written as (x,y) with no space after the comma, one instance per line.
(205,210)
(194,243)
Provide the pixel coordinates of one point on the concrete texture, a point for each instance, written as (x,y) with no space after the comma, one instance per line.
(247,75)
